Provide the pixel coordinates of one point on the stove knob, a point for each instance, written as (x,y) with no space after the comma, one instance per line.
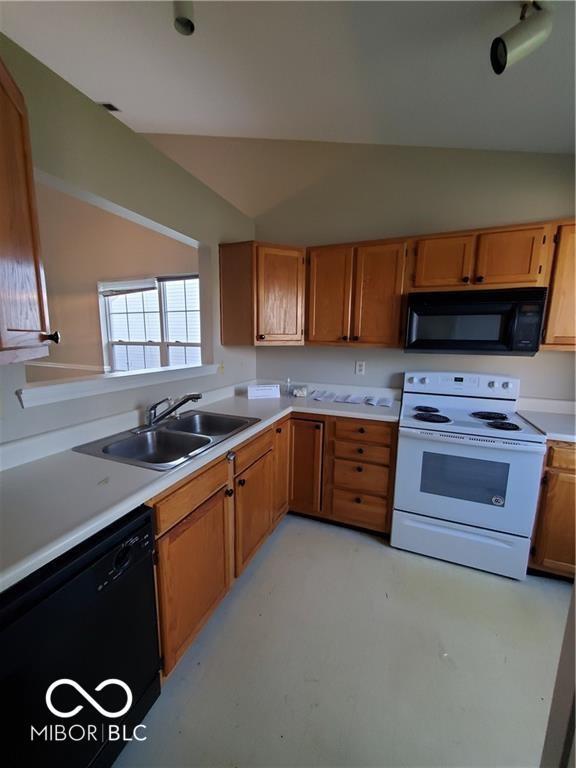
(424,380)
(411,380)
(493,384)
(506,385)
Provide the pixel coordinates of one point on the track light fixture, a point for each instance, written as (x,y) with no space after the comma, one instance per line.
(184,18)
(518,42)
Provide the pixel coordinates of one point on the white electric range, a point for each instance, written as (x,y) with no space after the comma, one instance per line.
(467,473)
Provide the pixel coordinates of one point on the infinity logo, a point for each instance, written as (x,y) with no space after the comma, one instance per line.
(82,692)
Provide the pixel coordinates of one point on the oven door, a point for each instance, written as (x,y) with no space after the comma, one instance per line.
(485,482)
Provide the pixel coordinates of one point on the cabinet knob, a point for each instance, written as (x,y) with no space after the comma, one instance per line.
(361,430)
(480,279)
(355,338)
(360,450)
(230,456)
(279,430)
(359,469)
(242,481)
(229,492)
(56,337)
(318,426)
(358,500)
(344,338)
(466,279)
(261,337)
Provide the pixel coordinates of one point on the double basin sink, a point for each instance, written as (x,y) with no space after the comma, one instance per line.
(170,443)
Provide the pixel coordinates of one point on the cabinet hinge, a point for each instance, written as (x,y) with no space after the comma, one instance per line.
(533,551)
(155,557)
(555,238)
(161,662)
(544,480)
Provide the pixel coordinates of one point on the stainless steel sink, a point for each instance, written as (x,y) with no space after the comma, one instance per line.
(212,424)
(171,442)
(157,447)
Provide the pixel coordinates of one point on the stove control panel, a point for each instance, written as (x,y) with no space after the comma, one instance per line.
(465,384)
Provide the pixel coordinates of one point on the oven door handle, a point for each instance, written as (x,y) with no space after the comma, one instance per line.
(471,440)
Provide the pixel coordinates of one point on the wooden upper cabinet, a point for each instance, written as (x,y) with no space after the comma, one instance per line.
(280,294)
(514,256)
(561,324)
(23,306)
(330,294)
(378,279)
(444,262)
(261,294)
(307,454)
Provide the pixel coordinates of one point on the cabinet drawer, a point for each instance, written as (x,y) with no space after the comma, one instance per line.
(562,456)
(364,431)
(360,509)
(359,476)
(248,454)
(173,508)
(379,454)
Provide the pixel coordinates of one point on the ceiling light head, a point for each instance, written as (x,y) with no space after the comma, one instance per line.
(184,18)
(518,42)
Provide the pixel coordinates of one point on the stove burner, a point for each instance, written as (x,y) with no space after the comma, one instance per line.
(489,416)
(505,425)
(436,418)
(426,409)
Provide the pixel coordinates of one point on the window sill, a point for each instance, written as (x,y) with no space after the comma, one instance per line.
(88,386)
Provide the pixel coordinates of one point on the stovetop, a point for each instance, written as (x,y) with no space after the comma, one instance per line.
(458,403)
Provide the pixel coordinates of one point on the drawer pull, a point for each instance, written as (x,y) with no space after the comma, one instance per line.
(361,430)
(229,492)
(358,500)
(242,481)
(360,450)
(279,430)
(359,469)
(318,426)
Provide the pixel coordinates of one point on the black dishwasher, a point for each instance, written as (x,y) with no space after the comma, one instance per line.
(79,651)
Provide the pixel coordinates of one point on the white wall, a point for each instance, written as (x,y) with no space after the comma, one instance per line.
(307,192)
(548,375)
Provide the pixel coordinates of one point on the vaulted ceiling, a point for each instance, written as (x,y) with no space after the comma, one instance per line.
(405,73)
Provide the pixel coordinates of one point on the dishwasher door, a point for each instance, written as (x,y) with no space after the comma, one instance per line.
(85,619)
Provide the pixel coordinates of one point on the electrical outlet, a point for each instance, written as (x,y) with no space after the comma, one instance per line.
(360,367)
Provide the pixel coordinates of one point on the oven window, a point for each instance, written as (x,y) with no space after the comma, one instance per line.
(459,327)
(457,477)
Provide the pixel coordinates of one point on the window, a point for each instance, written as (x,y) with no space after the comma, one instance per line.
(152,323)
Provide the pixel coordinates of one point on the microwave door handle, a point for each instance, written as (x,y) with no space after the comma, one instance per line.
(512,326)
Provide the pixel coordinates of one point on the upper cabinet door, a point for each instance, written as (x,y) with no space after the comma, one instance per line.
(444,262)
(379,274)
(23,307)
(280,295)
(561,324)
(510,257)
(330,294)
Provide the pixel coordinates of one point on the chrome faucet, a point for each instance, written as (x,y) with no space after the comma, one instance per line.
(152,416)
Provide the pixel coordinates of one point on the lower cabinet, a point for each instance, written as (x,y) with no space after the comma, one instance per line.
(553,546)
(307,455)
(253,508)
(281,480)
(359,459)
(193,574)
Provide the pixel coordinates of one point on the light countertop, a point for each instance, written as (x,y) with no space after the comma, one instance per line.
(556,426)
(51,505)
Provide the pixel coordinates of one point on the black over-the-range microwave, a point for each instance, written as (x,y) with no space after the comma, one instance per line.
(500,322)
